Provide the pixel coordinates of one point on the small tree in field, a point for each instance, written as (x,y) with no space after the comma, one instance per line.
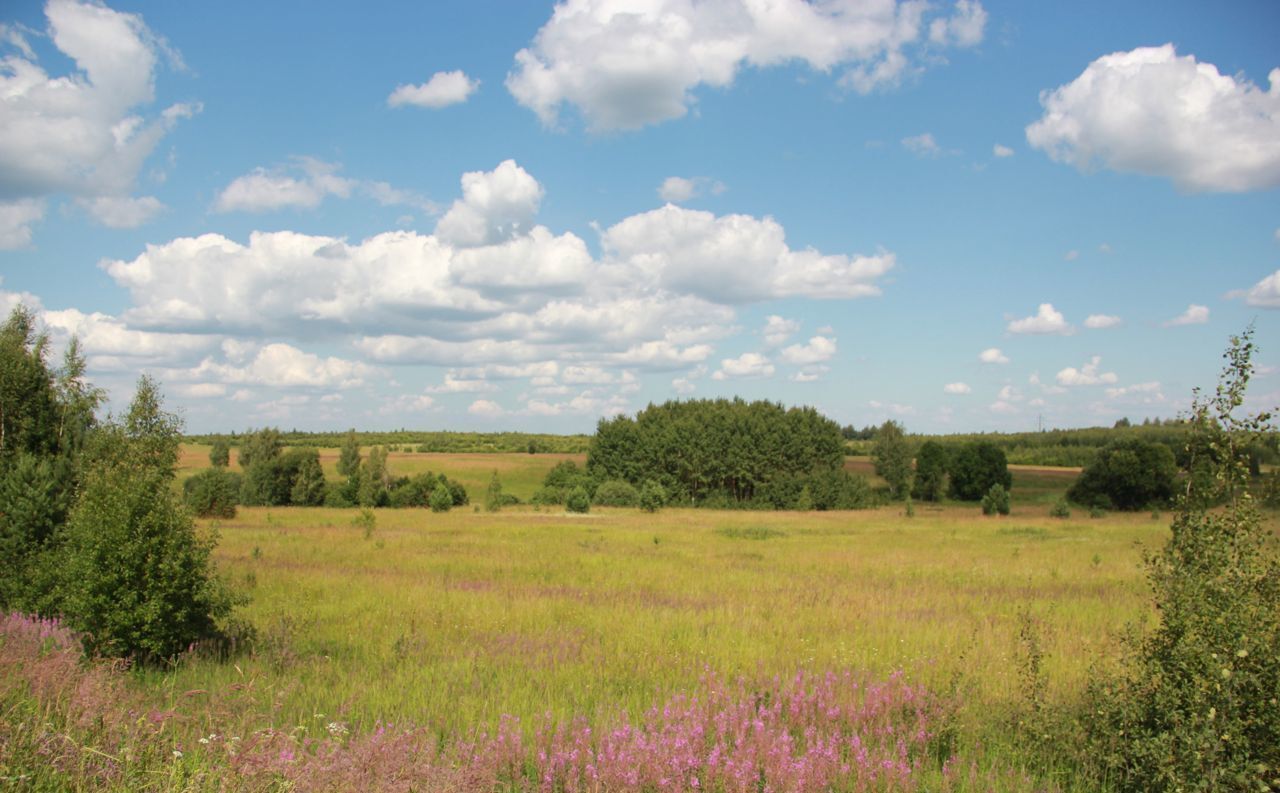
(652,496)
(493,495)
(349,456)
(996,501)
(891,454)
(975,467)
(220,453)
(1194,706)
(931,472)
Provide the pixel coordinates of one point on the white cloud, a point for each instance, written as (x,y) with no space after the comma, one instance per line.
(1100,321)
(455,385)
(406,403)
(281,366)
(777,330)
(1086,375)
(1047,320)
(749,364)
(109,343)
(733,258)
(79,133)
(625,65)
(1009,394)
(485,409)
(1153,112)
(16,219)
(956,388)
(1001,151)
(1265,293)
(1001,406)
(816,350)
(683,385)
(495,206)
(200,390)
(677,189)
(922,145)
(1194,315)
(1149,391)
(268,190)
(892,407)
(993,355)
(809,374)
(122,212)
(442,90)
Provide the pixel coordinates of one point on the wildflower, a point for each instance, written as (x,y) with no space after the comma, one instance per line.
(336,728)
(177,753)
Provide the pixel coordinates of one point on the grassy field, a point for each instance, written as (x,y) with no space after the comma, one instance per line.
(454,621)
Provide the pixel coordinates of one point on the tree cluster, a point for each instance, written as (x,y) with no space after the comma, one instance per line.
(717,452)
(1128,474)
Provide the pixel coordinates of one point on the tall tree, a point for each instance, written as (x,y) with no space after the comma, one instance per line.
(349,456)
(931,472)
(891,453)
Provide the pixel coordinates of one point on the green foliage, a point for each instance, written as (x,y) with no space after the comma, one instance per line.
(1060,509)
(891,454)
(212,493)
(373,488)
(616,493)
(652,496)
(137,579)
(975,467)
(34,501)
(709,451)
(441,500)
(578,500)
(263,446)
(996,501)
(220,453)
(1194,707)
(1127,475)
(308,479)
(493,500)
(931,472)
(413,491)
(560,480)
(804,501)
(349,456)
(366,521)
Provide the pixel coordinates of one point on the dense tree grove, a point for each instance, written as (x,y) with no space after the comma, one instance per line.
(713,451)
(1128,474)
(974,468)
(931,472)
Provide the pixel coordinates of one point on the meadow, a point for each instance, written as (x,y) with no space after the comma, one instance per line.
(481,629)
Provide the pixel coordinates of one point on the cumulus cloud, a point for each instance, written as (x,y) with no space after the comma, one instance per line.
(1265,293)
(494,207)
(80,134)
(993,355)
(1047,320)
(442,90)
(109,343)
(1001,151)
(734,258)
(122,212)
(749,364)
(624,66)
(485,408)
(452,384)
(1194,315)
(282,366)
(1149,392)
(678,189)
(816,350)
(956,388)
(777,330)
(267,190)
(16,220)
(922,145)
(1101,321)
(1153,112)
(1086,375)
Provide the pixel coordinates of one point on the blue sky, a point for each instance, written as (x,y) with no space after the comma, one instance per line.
(513,215)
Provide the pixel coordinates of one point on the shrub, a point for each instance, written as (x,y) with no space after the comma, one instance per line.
(616,493)
(212,493)
(996,501)
(441,500)
(652,496)
(578,500)
(1194,707)
(1128,474)
(975,468)
(413,491)
(493,500)
(1060,509)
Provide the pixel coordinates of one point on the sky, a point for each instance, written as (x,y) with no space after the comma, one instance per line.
(962,215)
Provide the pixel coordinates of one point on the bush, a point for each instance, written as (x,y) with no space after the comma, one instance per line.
(616,493)
(493,500)
(1128,474)
(1060,509)
(1194,707)
(578,500)
(652,496)
(212,493)
(441,500)
(975,468)
(996,501)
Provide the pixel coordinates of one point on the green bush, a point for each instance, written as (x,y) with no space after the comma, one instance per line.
(652,496)
(616,493)
(493,500)
(975,467)
(212,493)
(1127,474)
(996,501)
(578,500)
(441,500)
(1060,509)
(1195,704)
(931,472)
